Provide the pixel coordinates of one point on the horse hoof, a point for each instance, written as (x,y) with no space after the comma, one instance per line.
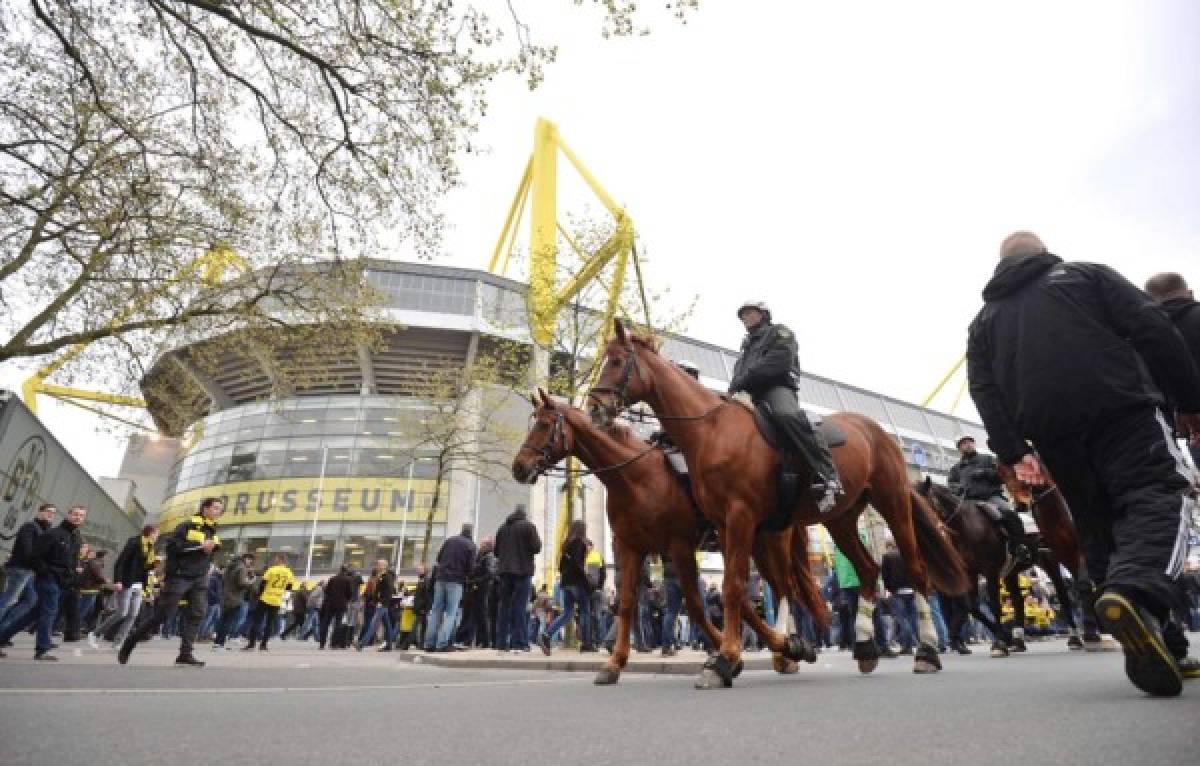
(783,665)
(711,679)
(867,654)
(738,668)
(926,660)
(607,677)
(798,649)
(1019,646)
(1075,643)
(923,667)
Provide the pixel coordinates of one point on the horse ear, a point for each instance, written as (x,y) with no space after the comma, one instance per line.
(619,328)
(927,485)
(546,400)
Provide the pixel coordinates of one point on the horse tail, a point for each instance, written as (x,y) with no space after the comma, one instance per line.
(806,585)
(947,571)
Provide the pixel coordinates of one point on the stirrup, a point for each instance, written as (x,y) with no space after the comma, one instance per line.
(829,492)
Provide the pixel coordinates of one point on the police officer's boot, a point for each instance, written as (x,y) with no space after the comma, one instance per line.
(829,491)
(1017,548)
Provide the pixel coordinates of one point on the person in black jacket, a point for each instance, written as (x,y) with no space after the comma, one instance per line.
(455,561)
(19,597)
(1066,355)
(478,598)
(902,602)
(1171,293)
(190,549)
(517,542)
(769,370)
(976,477)
(55,554)
(576,591)
(339,592)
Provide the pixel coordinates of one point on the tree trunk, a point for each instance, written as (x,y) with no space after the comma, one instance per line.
(433,507)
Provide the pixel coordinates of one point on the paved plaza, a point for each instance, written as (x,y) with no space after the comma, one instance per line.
(297,705)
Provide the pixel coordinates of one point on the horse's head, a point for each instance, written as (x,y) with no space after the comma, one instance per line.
(549,440)
(945,503)
(625,378)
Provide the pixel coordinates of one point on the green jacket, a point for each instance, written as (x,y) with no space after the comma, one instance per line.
(846,576)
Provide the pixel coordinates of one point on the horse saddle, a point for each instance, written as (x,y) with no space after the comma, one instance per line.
(834,436)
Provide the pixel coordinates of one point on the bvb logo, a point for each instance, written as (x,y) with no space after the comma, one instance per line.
(22,485)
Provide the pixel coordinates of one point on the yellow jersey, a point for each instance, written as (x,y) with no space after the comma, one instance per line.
(276,580)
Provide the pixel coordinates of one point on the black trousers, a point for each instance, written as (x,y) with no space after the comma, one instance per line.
(329,618)
(797,431)
(260,610)
(1130,494)
(192,589)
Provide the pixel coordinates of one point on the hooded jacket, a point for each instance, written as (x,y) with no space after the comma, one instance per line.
(517,542)
(1185,313)
(132,565)
(456,559)
(339,592)
(1060,346)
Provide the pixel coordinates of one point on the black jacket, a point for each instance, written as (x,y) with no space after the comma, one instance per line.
(339,592)
(483,574)
(423,595)
(1060,346)
(130,568)
(23,543)
(1185,313)
(185,556)
(385,588)
(769,358)
(56,553)
(456,559)
(571,563)
(517,542)
(977,476)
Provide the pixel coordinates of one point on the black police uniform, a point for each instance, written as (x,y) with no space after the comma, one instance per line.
(1185,313)
(977,477)
(186,578)
(769,370)
(1059,356)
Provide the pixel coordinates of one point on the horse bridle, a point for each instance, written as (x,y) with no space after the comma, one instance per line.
(545,462)
(545,459)
(619,391)
(621,396)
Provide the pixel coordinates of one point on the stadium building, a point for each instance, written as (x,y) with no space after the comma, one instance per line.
(334,465)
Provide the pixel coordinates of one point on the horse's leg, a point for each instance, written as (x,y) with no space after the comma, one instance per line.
(719,671)
(1064,600)
(999,647)
(1013,583)
(844,530)
(629,562)
(685,563)
(894,503)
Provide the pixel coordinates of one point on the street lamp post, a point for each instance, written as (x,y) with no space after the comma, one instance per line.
(312,535)
(408,498)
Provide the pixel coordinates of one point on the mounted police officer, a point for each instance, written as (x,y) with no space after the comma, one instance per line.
(769,370)
(976,478)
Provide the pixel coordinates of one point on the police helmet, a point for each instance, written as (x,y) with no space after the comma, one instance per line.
(757,305)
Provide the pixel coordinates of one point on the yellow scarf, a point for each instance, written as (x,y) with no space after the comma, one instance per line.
(148,553)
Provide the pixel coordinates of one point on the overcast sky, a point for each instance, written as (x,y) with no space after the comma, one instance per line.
(855,164)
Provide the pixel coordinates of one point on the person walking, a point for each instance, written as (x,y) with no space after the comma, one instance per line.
(19,596)
(236,583)
(477,603)
(190,548)
(455,561)
(55,555)
(275,581)
(1086,398)
(129,576)
(576,591)
(339,592)
(517,542)
(379,591)
(299,612)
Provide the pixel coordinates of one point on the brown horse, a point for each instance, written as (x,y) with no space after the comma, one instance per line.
(651,511)
(734,471)
(1057,530)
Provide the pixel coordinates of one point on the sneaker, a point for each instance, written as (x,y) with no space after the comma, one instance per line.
(3,654)
(1148,663)
(1189,667)
(188,661)
(45,657)
(92,642)
(248,648)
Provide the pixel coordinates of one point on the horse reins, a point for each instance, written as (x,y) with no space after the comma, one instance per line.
(621,395)
(544,466)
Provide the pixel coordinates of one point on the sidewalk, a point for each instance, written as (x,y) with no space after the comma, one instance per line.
(686,662)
